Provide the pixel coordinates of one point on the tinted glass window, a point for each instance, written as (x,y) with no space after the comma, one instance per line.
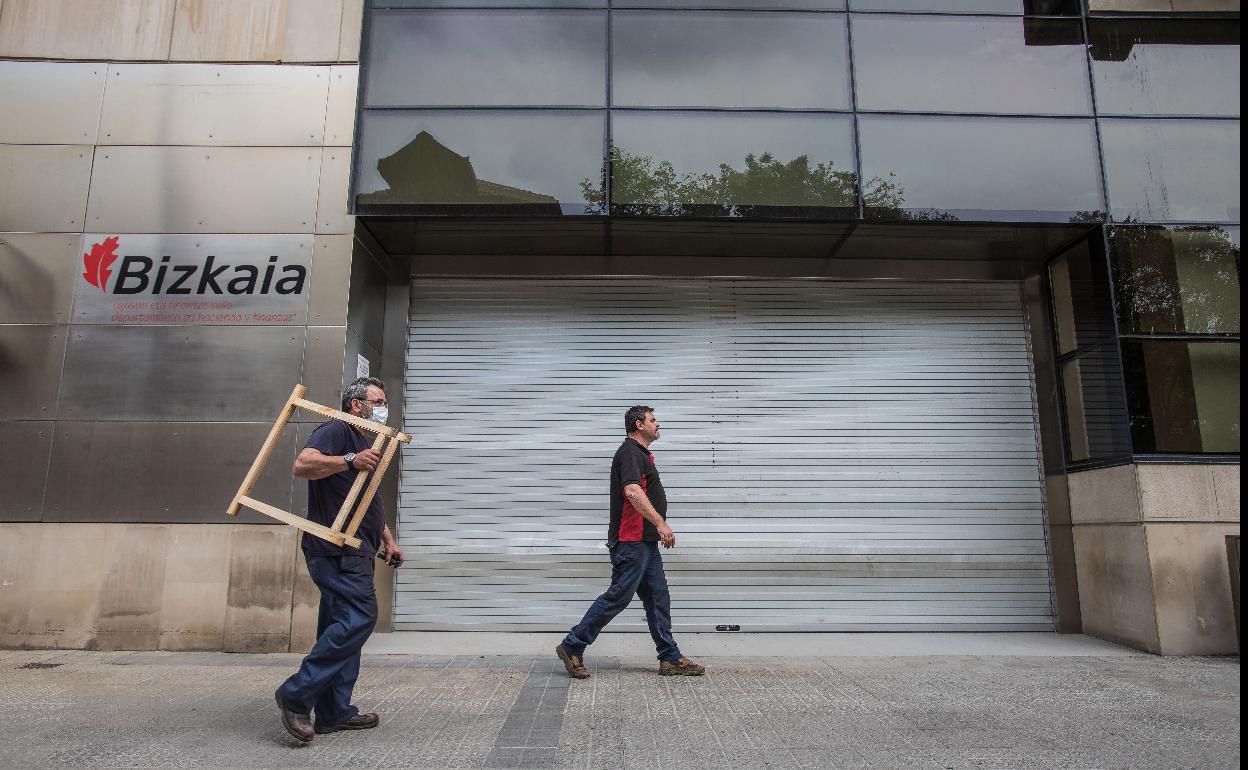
(1063,304)
(1076,420)
(726,59)
(817,5)
(1165,6)
(1012,169)
(970,64)
(1172,170)
(736,164)
(533,161)
(446,58)
(1177,281)
(1184,396)
(1165,67)
(1011,7)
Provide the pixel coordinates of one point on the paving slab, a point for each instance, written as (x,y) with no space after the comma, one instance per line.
(754,644)
(1111,710)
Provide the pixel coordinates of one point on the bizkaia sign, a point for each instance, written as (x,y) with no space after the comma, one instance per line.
(194,279)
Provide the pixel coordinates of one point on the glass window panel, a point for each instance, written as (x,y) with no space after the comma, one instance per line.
(1007,7)
(814,5)
(970,64)
(1177,280)
(1164,6)
(1165,67)
(1103,405)
(532,161)
(1009,169)
(740,164)
(1063,305)
(727,59)
(1076,422)
(1183,396)
(1172,170)
(489,58)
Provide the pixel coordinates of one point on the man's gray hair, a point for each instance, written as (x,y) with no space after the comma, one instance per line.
(358,391)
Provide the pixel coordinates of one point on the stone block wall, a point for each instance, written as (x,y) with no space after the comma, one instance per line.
(1150,555)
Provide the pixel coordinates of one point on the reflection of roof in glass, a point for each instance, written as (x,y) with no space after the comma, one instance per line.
(426,171)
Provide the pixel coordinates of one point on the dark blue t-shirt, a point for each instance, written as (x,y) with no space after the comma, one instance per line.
(325,495)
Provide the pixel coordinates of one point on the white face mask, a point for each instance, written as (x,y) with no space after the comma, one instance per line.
(380,414)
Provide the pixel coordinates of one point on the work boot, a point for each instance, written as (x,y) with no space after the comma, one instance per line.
(573,663)
(298,725)
(357,722)
(682,667)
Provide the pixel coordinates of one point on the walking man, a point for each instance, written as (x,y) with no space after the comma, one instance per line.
(638,525)
(336,452)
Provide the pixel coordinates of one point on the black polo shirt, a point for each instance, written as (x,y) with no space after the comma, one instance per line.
(633,464)
(325,495)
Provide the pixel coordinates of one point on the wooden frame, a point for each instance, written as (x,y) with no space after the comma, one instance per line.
(387,443)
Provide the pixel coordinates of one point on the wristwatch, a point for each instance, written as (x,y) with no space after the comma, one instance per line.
(350,458)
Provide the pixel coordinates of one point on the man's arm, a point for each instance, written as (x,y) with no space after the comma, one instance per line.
(313,464)
(638,498)
(390,546)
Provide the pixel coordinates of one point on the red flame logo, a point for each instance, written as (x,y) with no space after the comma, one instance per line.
(97,261)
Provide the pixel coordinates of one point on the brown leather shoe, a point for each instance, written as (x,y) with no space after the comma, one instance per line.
(358,722)
(298,725)
(573,663)
(682,667)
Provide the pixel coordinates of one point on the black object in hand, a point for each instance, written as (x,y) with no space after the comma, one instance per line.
(393,561)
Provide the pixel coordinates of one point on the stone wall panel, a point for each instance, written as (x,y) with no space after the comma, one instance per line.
(132,30)
(1115,585)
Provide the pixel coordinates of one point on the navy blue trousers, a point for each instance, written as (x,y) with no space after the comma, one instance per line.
(636,568)
(348,613)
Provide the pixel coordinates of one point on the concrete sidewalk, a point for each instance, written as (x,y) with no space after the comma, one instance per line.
(859,701)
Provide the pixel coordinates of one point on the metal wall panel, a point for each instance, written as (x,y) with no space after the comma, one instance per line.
(31,357)
(177,373)
(323,372)
(359,347)
(162,472)
(838,455)
(242,258)
(257,105)
(38,272)
(45,187)
(331,276)
(331,207)
(204,190)
(340,115)
(366,308)
(131,30)
(50,102)
(24,449)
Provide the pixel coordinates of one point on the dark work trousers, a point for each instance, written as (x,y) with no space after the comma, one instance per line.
(636,568)
(348,613)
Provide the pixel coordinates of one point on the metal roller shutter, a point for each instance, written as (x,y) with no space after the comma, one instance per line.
(838,455)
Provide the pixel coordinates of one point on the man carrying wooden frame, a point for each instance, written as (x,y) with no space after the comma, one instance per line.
(336,460)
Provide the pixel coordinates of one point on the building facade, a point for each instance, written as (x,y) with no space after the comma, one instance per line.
(938,302)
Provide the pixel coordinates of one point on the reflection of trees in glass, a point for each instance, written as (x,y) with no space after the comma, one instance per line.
(1180,280)
(642,185)
(425,171)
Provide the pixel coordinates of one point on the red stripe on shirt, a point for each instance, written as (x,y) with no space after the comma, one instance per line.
(632,523)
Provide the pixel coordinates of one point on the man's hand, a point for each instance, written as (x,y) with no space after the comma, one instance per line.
(389,546)
(666,536)
(366,460)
